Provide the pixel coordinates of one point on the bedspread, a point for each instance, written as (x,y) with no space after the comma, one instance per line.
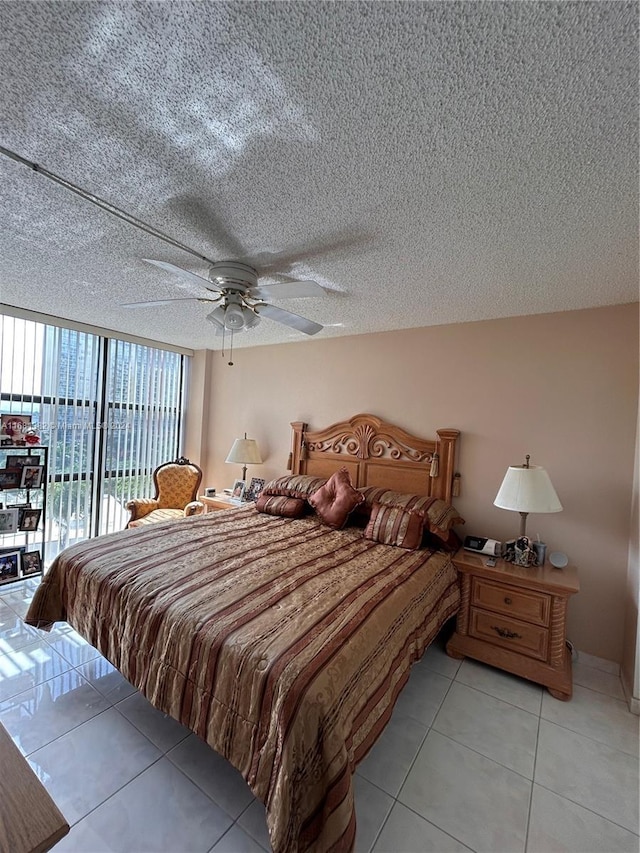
(280,642)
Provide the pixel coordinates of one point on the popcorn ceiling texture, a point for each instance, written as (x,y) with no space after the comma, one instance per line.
(427,163)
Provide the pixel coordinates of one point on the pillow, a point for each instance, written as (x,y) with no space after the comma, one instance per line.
(294,486)
(281,505)
(440,516)
(334,501)
(393,525)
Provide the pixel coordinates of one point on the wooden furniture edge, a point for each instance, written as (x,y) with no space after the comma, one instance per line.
(30,821)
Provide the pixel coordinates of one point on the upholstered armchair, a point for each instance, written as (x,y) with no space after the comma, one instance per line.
(176,484)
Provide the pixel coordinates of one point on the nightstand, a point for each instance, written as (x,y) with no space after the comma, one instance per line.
(218,502)
(515,618)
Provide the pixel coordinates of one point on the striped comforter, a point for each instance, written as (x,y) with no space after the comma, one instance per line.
(280,642)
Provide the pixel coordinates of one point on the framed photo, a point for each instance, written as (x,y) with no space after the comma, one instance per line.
(31,563)
(9,479)
(8,520)
(31,477)
(255,487)
(237,490)
(9,566)
(18,461)
(14,428)
(29,519)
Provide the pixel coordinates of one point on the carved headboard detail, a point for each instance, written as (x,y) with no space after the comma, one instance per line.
(377,453)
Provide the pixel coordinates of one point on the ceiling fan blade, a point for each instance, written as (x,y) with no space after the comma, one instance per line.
(289,319)
(288,290)
(185,275)
(166,301)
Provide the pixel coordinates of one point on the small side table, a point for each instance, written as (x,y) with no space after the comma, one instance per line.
(515,618)
(219,502)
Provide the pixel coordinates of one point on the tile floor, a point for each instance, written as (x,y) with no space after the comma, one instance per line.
(472,759)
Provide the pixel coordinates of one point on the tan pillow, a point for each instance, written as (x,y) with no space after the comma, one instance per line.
(294,485)
(281,505)
(334,501)
(393,525)
(440,516)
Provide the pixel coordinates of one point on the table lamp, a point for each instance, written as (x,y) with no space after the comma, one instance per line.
(244,452)
(527,488)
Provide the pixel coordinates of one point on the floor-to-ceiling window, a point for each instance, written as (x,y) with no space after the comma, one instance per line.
(109,410)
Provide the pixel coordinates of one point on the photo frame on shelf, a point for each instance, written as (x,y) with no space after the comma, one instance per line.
(13,429)
(31,563)
(9,566)
(237,490)
(8,520)
(31,477)
(252,492)
(9,479)
(17,461)
(29,519)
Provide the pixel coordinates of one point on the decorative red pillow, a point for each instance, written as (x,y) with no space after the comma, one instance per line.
(281,505)
(336,499)
(393,525)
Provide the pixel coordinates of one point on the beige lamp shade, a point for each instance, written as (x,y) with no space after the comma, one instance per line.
(527,489)
(244,452)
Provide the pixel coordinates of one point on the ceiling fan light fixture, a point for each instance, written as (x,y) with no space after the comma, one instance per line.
(234,318)
(217,317)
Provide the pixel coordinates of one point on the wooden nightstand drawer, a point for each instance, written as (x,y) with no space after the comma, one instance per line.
(523,604)
(520,637)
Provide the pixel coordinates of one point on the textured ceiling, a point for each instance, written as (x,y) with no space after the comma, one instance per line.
(426,162)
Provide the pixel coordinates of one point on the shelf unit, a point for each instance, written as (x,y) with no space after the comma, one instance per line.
(22,549)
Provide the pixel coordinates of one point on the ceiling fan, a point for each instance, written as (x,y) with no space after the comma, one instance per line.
(233,287)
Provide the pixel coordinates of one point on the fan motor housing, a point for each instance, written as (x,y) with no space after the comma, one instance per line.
(233,274)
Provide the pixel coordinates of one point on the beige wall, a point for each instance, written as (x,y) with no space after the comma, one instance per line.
(562,387)
(631,649)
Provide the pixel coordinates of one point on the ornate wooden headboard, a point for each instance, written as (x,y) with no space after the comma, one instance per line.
(377,454)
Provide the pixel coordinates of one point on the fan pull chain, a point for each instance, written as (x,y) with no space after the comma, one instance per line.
(231,352)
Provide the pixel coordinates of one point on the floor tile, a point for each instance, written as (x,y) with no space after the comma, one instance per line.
(390,758)
(596,679)
(372,807)
(438,660)
(253,821)
(106,679)
(91,762)
(589,773)
(213,774)
(44,713)
(422,695)
(560,825)
(597,716)
(83,839)
(71,646)
(161,729)
(236,840)
(480,803)
(14,634)
(494,728)
(160,811)
(407,832)
(29,666)
(517,691)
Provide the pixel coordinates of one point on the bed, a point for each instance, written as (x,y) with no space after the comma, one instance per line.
(281,642)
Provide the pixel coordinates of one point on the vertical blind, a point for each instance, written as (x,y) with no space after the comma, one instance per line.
(110,412)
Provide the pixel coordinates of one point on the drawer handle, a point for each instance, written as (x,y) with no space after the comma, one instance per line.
(507,600)
(506,633)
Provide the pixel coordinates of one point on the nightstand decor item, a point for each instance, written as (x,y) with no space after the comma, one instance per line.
(244,452)
(526,488)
